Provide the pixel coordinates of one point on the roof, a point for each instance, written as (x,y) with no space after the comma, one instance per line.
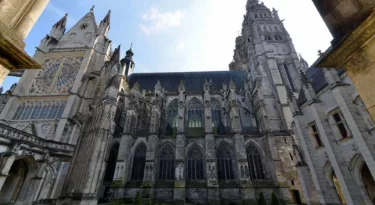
(317,80)
(194,81)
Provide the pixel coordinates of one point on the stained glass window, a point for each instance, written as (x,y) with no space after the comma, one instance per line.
(39,110)
(195,113)
(255,163)
(166,163)
(139,161)
(224,162)
(173,114)
(195,163)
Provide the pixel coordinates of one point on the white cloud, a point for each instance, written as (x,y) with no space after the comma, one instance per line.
(159,21)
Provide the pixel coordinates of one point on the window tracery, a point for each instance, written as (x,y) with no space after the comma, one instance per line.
(195,113)
(173,114)
(195,164)
(57,75)
(139,161)
(255,163)
(166,163)
(225,162)
(245,116)
(39,110)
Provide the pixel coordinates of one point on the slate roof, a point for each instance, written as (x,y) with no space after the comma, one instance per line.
(193,80)
(317,80)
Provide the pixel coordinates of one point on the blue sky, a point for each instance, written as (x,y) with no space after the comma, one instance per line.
(182,35)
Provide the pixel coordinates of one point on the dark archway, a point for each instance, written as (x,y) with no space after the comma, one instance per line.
(368,181)
(110,170)
(13,183)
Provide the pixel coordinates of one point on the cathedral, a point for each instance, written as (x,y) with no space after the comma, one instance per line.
(88,129)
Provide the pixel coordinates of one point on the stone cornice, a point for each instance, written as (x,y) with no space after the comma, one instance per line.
(349,53)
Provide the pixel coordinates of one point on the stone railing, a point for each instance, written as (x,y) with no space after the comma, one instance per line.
(20,136)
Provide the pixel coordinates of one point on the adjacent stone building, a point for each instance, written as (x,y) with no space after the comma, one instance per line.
(17,18)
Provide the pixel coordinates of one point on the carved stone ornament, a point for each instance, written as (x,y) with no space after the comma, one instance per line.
(181,104)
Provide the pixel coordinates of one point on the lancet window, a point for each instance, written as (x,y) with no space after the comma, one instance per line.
(244,116)
(144,116)
(139,161)
(40,110)
(255,163)
(195,113)
(216,112)
(195,164)
(166,163)
(225,162)
(173,114)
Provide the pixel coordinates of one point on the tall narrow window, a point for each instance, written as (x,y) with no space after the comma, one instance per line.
(244,116)
(18,112)
(336,183)
(216,112)
(340,124)
(139,161)
(289,77)
(224,162)
(195,163)
(315,134)
(61,110)
(255,163)
(166,163)
(173,114)
(195,113)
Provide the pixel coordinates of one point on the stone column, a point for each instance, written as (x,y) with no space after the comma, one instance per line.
(308,188)
(123,160)
(150,167)
(207,108)
(7,164)
(179,185)
(3,74)
(26,23)
(213,192)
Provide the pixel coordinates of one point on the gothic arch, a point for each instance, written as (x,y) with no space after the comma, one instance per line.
(166,162)
(225,162)
(172,113)
(18,179)
(138,162)
(333,181)
(363,176)
(195,111)
(255,161)
(45,187)
(195,162)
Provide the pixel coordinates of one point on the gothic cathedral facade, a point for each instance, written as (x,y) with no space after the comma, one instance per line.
(85,128)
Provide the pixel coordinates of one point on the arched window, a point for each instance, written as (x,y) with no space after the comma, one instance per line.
(255,163)
(245,116)
(139,161)
(289,77)
(195,168)
(166,163)
(195,113)
(216,112)
(224,162)
(173,114)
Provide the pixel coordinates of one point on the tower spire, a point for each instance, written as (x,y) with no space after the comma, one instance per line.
(104,24)
(62,22)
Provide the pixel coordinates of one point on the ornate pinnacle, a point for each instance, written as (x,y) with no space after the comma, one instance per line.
(303,78)
(289,93)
